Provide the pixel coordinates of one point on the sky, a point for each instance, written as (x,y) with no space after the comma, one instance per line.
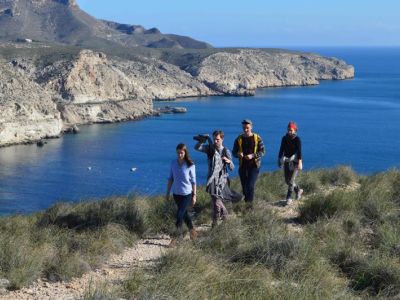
(262,23)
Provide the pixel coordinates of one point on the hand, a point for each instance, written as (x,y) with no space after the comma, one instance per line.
(249,156)
(240,155)
(226,160)
(193,200)
(300,165)
(279,163)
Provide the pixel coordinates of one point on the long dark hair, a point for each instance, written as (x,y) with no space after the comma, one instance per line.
(188,160)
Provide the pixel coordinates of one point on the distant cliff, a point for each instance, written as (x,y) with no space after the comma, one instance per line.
(40,99)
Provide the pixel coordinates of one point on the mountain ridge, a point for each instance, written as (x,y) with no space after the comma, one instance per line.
(62,21)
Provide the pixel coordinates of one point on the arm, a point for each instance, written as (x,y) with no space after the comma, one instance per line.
(203,148)
(170,181)
(299,154)
(260,148)
(280,155)
(228,160)
(192,174)
(169,185)
(235,150)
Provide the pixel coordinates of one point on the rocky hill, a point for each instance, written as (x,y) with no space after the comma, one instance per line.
(60,67)
(42,95)
(62,21)
(28,112)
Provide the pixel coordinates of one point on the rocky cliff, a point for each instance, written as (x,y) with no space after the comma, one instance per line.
(242,72)
(27,111)
(42,99)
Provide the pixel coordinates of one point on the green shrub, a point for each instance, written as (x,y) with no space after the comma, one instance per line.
(379,196)
(94,214)
(372,274)
(326,206)
(339,176)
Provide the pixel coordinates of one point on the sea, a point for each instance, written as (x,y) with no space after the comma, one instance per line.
(352,122)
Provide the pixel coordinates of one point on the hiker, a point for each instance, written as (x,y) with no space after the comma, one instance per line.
(219,160)
(182,182)
(249,148)
(291,159)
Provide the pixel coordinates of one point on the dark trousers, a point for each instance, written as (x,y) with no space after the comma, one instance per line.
(290,178)
(183,202)
(248,177)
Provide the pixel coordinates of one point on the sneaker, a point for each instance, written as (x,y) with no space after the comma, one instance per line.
(193,234)
(289,201)
(299,194)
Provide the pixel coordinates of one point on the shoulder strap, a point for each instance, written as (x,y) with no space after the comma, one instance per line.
(256,140)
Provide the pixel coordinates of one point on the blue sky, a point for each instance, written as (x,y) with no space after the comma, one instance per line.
(262,23)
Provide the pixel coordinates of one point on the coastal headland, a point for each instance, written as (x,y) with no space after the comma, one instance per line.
(60,67)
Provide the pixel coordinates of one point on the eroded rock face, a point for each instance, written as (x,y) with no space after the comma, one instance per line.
(41,101)
(28,112)
(241,73)
(89,78)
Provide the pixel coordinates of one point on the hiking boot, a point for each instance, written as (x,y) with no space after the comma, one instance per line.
(299,194)
(214,223)
(249,205)
(193,234)
(289,201)
(173,243)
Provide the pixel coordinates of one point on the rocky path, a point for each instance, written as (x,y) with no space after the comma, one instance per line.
(110,275)
(288,213)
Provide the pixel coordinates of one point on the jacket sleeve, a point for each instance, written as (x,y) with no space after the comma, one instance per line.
(280,154)
(235,150)
(201,147)
(231,166)
(192,174)
(299,154)
(260,148)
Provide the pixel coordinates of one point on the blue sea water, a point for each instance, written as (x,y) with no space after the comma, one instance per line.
(353,122)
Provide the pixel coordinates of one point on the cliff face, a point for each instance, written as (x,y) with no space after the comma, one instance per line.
(241,73)
(39,100)
(28,112)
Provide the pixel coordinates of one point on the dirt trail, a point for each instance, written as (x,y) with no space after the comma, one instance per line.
(288,213)
(112,273)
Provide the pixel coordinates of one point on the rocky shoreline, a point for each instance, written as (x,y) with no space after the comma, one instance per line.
(42,100)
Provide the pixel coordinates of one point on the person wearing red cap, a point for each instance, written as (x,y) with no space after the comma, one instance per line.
(290,157)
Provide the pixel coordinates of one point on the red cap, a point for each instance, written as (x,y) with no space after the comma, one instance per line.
(292,125)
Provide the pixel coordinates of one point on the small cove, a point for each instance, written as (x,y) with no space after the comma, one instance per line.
(352,122)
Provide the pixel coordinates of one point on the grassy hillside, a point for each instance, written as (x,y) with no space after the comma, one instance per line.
(348,245)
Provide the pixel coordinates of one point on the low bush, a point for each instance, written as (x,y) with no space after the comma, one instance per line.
(326,206)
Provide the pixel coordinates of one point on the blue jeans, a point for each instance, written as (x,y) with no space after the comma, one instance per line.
(248,177)
(183,202)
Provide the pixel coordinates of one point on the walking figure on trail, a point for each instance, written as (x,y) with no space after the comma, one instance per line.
(219,160)
(249,148)
(290,157)
(182,182)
